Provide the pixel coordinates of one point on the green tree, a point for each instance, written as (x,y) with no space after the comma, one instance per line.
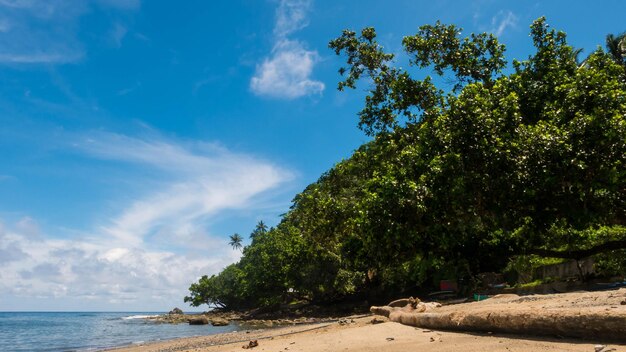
(268,264)
(454,182)
(236,241)
(225,290)
(495,164)
(259,230)
(616,47)
(477,58)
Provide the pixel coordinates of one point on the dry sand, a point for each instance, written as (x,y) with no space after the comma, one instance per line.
(361,335)
(602,313)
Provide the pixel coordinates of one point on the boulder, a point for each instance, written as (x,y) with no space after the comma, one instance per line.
(198,321)
(219,322)
(176,311)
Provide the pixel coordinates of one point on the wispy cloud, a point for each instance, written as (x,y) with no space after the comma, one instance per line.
(41,57)
(503,20)
(4,25)
(121,4)
(156,242)
(287,72)
(128,90)
(291,16)
(197,181)
(46,32)
(118,32)
(39,32)
(45,10)
(141,37)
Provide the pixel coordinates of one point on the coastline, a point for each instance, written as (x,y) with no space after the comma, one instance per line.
(360,334)
(237,338)
(88,331)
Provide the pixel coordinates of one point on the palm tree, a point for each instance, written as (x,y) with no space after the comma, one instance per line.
(575,56)
(616,46)
(260,229)
(235,241)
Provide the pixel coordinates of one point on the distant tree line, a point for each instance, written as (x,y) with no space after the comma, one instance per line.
(454,182)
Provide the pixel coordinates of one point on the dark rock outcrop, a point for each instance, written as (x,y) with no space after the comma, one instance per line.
(176,311)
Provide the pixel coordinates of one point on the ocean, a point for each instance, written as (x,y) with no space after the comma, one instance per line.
(85,331)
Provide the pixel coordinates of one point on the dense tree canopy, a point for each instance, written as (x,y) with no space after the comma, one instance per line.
(512,161)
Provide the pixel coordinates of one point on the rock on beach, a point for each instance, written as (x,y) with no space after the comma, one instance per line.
(198,321)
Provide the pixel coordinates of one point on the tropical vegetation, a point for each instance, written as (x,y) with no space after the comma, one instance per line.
(508,162)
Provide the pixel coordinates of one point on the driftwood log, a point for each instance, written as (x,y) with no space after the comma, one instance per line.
(580,314)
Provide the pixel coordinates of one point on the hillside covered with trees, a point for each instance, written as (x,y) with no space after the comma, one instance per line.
(508,163)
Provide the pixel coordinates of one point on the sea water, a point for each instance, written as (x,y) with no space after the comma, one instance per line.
(84,331)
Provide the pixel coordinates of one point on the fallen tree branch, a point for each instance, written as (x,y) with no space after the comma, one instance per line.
(580,253)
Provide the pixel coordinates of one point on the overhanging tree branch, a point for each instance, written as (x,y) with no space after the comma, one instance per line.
(580,253)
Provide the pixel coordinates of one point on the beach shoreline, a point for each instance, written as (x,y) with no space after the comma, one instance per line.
(242,336)
(576,321)
(360,334)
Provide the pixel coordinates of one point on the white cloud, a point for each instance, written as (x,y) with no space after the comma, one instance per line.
(291,17)
(42,32)
(28,227)
(21,3)
(5,25)
(197,184)
(39,32)
(287,72)
(155,245)
(121,4)
(39,58)
(11,252)
(503,20)
(118,32)
(128,90)
(99,274)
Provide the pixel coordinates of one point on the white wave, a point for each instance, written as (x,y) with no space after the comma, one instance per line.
(139,317)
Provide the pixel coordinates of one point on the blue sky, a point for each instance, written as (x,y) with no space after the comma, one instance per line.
(135,136)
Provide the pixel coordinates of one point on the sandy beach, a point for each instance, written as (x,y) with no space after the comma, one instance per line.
(360,334)
(598,316)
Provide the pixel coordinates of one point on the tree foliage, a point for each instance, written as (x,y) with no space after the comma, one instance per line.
(236,241)
(616,47)
(453,183)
